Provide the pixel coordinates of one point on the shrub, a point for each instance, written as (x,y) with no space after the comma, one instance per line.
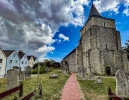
(42,70)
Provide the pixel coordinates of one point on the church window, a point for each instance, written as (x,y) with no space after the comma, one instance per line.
(90,32)
(104,24)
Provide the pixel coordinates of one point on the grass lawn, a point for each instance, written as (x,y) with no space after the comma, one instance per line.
(51,87)
(94,91)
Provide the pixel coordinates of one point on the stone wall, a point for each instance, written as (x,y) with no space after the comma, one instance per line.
(72,61)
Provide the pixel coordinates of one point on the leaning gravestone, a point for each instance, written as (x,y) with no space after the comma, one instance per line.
(12,78)
(82,72)
(122,85)
(22,76)
(28,72)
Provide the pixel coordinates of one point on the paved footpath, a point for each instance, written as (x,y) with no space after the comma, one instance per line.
(71,90)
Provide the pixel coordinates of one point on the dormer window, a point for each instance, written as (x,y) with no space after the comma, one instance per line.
(14,55)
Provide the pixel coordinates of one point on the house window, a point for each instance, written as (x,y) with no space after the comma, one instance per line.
(16,61)
(1,61)
(26,62)
(0,69)
(10,61)
(22,62)
(14,55)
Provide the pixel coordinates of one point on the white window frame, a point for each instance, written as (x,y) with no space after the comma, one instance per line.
(10,61)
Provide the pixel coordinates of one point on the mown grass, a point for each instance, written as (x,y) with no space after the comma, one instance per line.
(51,87)
(95,91)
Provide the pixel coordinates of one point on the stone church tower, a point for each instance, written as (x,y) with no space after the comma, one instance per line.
(99,47)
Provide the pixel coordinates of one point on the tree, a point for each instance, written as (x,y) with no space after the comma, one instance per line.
(126,47)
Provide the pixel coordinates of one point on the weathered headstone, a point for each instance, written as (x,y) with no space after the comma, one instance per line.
(98,80)
(82,72)
(122,84)
(53,76)
(12,78)
(65,70)
(28,72)
(21,76)
(60,71)
(91,76)
(47,69)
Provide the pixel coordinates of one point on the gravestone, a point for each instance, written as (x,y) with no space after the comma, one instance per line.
(65,70)
(28,72)
(90,76)
(53,76)
(12,78)
(82,72)
(22,76)
(98,80)
(60,71)
(122,84)
(47,69)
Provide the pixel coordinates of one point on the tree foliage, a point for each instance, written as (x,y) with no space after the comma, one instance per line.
(126,47)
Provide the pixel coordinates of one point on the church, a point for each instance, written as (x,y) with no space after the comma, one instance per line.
(99,47)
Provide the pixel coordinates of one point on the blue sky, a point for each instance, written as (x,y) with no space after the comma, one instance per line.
(51,28)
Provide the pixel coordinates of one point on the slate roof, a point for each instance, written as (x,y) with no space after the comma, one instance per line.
(8,52)
(21,54)
(29,57)
(93,12)
(35,58)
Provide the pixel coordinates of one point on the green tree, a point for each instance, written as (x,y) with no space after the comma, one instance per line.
(126,47)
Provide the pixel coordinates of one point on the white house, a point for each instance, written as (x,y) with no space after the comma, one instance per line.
(2,63)
(31,61)
(23,60)
(12,59)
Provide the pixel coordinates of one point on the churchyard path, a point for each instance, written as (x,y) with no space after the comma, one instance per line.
(71,90)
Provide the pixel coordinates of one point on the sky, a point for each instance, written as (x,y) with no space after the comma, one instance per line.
(50,29)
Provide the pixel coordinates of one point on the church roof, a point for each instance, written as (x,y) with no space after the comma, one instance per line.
(93,12)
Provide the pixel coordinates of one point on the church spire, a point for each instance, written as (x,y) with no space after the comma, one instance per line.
(93,11)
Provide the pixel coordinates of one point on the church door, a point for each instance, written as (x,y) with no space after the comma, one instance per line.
(108,70)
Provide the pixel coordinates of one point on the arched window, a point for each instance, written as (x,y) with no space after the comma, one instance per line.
(104,24)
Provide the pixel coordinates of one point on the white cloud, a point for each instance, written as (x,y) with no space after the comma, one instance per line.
(111,5)
(31,24)
(126,11)
(45,49)
(63,37)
